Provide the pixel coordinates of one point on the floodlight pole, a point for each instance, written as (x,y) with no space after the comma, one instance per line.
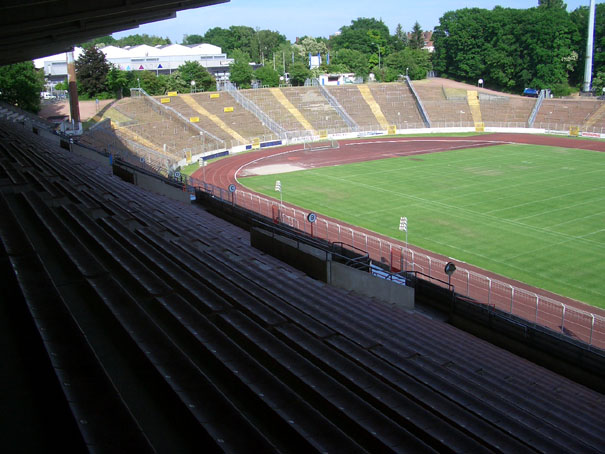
(403,225)
(405,262)
(589,46)
(278,187)
(281,205)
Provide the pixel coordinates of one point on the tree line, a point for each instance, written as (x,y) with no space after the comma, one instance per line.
(98,78)
(509,49)
(363,47)
(541,47)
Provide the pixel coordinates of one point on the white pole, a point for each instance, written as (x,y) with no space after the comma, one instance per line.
(406,249)
(589,46)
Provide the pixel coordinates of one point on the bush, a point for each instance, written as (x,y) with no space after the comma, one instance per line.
(562,89)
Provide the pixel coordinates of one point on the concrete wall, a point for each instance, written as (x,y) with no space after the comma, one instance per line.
(364,283)
(159,186)
(89,154)
(301,256)
(319,265)
(150,183)
(568,357)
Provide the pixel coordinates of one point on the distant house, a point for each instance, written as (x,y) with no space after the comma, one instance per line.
(428,40)
(160,59)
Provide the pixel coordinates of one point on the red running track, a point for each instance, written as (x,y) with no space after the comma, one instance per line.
(224,172)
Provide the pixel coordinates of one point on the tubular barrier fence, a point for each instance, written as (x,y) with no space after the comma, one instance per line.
(533,307)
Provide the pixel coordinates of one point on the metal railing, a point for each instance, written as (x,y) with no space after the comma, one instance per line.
(177,116)
(339,109)
(536,109)
(534,307)
(254,109)
(423,113)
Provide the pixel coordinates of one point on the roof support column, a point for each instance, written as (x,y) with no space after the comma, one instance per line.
(74,106)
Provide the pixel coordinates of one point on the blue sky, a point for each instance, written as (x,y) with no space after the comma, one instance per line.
(317,17)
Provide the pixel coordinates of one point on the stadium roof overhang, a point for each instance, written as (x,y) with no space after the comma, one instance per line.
(36,28)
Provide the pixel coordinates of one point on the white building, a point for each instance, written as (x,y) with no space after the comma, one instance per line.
(161,59)
(339,79)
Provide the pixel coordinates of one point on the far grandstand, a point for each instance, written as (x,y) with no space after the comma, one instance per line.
(234,120)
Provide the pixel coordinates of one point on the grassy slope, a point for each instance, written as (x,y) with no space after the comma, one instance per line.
(536,214)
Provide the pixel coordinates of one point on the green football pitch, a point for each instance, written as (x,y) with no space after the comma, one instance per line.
(532,213)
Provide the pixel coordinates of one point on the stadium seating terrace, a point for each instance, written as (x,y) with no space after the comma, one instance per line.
(143,324)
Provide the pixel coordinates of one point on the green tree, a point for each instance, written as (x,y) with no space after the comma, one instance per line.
(363,35)
(336,68)
(119,81)
(354,61)
(286,55)
(192,39)
(268,42)
(152,84)
(400,39)
(234,38)
(299,73)
(552,4)
(176,82)
(552,53)
(598,83)
(192,70)
(510,48)
(99,42)
(240,71)
(20,85)
(137,40)
(258,44)
(417,37)
(63,86)
(91,71)
(267,76)
(226,39)
(308,45)
(416,62)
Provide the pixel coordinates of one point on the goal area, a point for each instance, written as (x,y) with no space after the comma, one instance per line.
(321,145)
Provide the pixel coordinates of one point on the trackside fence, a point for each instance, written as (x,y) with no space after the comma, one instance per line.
(533,307)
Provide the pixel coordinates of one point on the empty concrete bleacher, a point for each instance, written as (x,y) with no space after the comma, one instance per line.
(443,112)
(119,146)
(242,121)
(350,98)
(368,327)
(157,127)
(565,113)
(506,111)
(315,108)
(397,104)
(177,103)
(270,105)
(596,121)
(168,331)
(12,113)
